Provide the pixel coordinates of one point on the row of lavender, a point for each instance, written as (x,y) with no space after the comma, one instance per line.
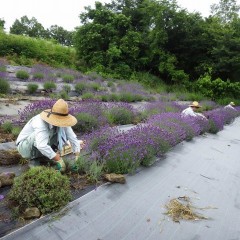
(64,81)
(123,152)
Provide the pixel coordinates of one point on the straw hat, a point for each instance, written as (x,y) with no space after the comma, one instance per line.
(58,115)
(195,104)
(232,103)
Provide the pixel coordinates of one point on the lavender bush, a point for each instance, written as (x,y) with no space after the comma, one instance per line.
(120,113)
(33,109)
(219,117)
(154,108)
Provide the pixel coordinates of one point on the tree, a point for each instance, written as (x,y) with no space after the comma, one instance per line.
(225,10)
(2,23)
(61,35)
(28,27)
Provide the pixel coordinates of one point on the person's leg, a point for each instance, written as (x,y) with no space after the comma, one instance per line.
(27,148)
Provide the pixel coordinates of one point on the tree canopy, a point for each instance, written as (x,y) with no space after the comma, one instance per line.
(159,37)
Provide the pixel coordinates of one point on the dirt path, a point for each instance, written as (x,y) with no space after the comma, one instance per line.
(207,170)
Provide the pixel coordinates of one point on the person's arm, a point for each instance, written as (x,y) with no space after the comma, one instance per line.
(75,143)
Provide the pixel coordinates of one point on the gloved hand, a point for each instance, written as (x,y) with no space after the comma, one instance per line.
(60,165)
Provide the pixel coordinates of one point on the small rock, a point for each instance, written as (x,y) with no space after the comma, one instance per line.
(6,179)
(113,177)
(32,212)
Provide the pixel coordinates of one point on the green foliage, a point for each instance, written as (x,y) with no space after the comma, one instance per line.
(15,131)
(67,78)
(217,89)
(129,97)
(95,86)
(29,27)
(38,75)
(61,35)
(86,122)
(110,97)
(4,86)
(22,74)
(87,95)
(3,68)
(82,165)
(120,165)
(7,127)
(95,171)
(120,116)
(49,85)
(227,100)
(32,87)
(80,87)
(212,127)
(41,187)
(17,47)
(64,95)
(110,84)
(67,88)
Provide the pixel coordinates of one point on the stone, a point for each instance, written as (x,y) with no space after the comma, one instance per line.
(117,178)
(7,179)
(32,212)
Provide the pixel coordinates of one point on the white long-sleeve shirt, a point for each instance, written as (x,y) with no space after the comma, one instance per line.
(229,106)
(189,112)
(42,132)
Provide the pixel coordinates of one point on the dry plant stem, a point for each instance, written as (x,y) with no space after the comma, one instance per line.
(178,210)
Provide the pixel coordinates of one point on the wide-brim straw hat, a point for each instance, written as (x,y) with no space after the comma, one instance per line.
(58,115)
(232,103)
(195,104)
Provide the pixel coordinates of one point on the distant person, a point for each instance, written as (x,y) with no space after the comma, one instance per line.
(191,111)
(45,135)
(230,106)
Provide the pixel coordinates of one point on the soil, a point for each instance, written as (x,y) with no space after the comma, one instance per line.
(6,137)
(10,157)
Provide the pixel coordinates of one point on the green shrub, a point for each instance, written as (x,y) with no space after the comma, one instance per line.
(95,86)
(63,95)
(126,97)
(41,187)
(49,85)
(120,165)
(16,131)
(68,78)
(4,86)
(110,98)
(87,95)
(120,116)
(80,87)
(38,75)
(82,165)
(32,87)
(110,84)
(86,122)
(95,171)
(3,68)
(24,49)
(67,88)
(7,127)
(22,74)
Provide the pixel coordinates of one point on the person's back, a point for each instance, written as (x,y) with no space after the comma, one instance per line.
(190,111)
(230,106)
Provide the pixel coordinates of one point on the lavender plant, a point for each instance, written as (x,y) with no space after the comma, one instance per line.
(33,109)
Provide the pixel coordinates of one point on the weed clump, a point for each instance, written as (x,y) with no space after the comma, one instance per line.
(40,187)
